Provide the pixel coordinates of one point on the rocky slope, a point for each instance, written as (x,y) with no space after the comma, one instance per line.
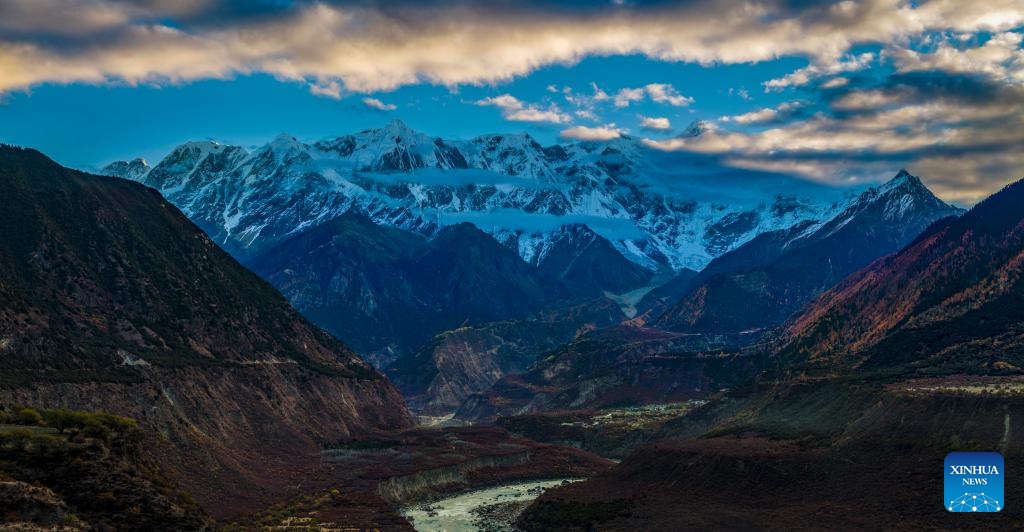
(799,480)
(621,365)
(763,282)
(114,301)
(448,315)
(657,209)
(950,300)
(458,363)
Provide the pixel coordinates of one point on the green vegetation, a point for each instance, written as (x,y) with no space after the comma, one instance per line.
(50,433)
(27,416)
(92,464)
(301,514)
(99,425)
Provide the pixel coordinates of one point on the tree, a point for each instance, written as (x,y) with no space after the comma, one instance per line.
(60,419)
(28,416)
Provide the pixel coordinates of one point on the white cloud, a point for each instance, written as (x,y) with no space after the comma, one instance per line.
(515,110)
(329,89)
(809,73)
(626,96)
(999,58)
(655,124)
(657,92)
(599,95)
(664,93)
(379,105)
(586,104)
(742,92)
(765,115)
(862,100)
(835,83)
(606,132)
(948,142)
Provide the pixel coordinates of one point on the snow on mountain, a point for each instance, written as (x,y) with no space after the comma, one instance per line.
(136,169)
(657,209)
(763,282)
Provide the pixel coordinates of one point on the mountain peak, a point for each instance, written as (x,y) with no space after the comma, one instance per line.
(135,169)
(904,181)
(461,230)
(901,197)
(397,127)
(284,140)
(202,145)
(696,129)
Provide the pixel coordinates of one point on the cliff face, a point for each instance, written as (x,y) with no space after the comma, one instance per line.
(112,300)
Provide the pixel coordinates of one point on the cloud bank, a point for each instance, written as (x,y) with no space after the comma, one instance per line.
(367,47)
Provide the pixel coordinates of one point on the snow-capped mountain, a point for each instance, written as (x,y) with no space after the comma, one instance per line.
(657,209)
(136,169)
(764,281)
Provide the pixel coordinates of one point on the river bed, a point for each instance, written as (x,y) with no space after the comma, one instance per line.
(487,509)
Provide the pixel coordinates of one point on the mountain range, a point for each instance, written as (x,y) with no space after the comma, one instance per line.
(366,234)
(659,210)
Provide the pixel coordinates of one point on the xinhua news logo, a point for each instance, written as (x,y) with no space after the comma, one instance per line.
(974,482)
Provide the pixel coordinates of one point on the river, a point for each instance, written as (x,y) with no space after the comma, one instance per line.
(487,509)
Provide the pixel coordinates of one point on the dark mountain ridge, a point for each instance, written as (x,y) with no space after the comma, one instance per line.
(388,291)
(951,299)
(113,300)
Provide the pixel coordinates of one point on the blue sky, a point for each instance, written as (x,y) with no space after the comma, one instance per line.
(88,124)
(834,92)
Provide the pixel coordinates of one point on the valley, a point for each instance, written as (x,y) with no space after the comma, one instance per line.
(503,375)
